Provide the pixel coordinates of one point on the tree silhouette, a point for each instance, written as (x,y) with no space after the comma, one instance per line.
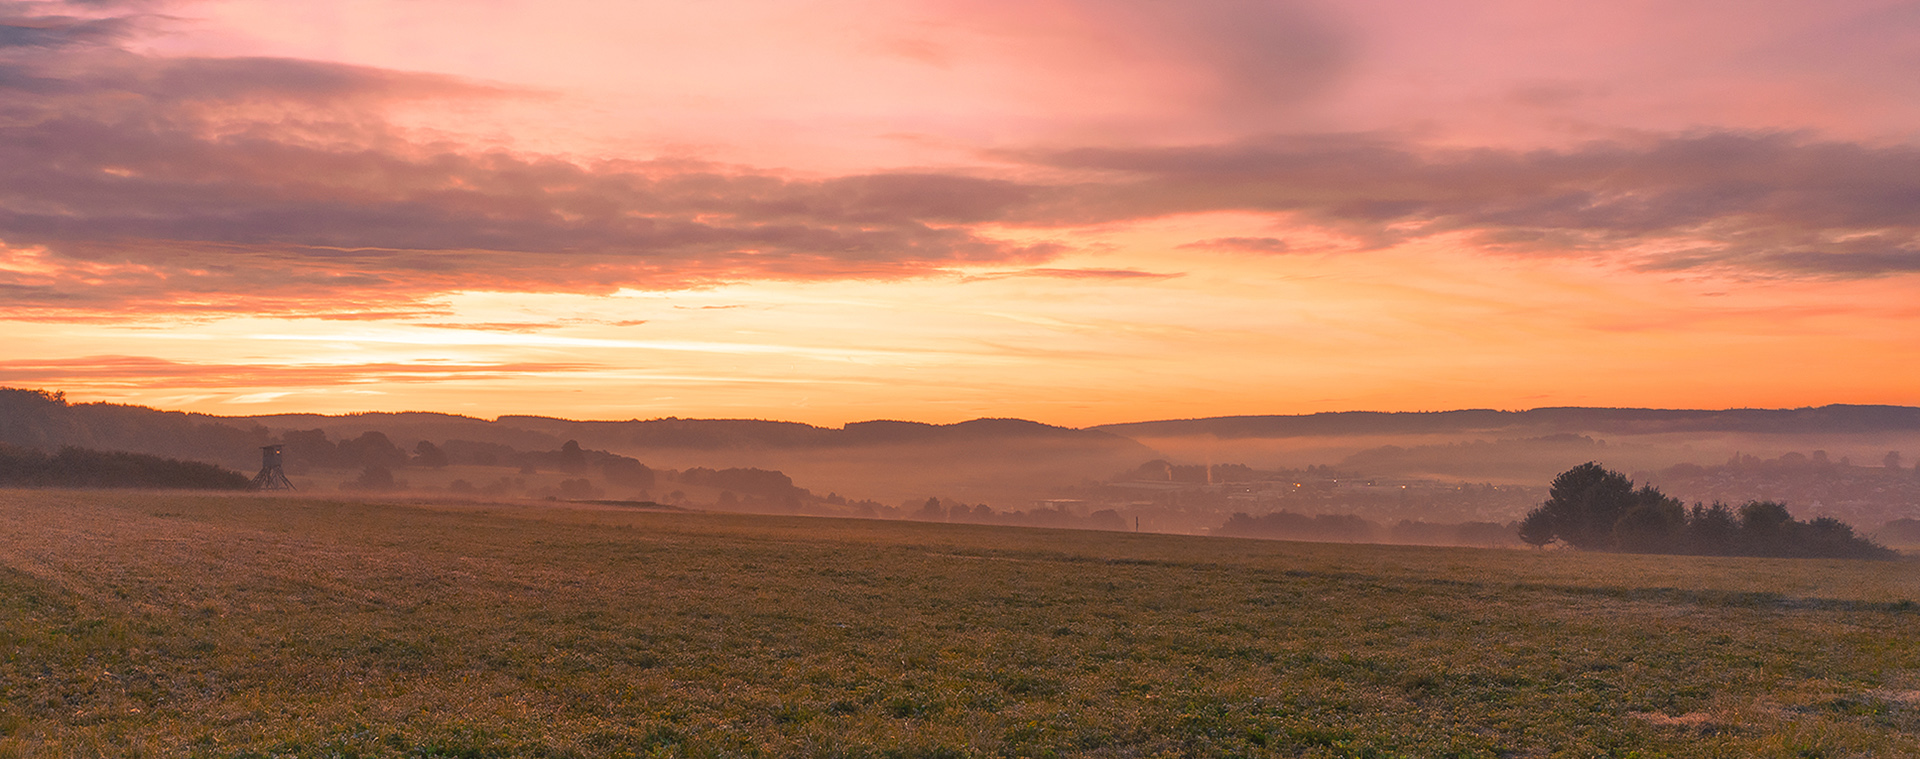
(1713,530)
(1537,529)
(429,455)
(1653,524)
(1766,527)
(1583,505)
(572,459)
(371,449)
(374,478)
(1593,508)
(627,472)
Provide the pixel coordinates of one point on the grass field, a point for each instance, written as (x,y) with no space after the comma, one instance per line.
(157,625)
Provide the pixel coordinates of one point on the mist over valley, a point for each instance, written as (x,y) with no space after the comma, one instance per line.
(1409,477)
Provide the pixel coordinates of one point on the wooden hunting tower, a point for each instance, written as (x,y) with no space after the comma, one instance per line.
(271,477)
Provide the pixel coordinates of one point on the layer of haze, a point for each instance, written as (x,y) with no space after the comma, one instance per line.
(1071,211)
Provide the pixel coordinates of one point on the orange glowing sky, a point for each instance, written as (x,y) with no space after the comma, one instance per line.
(1074,211)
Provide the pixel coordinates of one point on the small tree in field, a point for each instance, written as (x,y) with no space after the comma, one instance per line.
(1583,505)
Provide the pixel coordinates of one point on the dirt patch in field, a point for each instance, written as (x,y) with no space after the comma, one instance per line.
(1906,697)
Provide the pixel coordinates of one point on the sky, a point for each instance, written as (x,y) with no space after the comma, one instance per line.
(1072,211)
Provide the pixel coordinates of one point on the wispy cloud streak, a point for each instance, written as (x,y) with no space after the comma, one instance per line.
(140,371)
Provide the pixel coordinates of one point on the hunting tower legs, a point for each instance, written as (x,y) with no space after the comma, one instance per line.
(271,477)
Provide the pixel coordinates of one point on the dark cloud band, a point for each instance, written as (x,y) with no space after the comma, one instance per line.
(1769,203)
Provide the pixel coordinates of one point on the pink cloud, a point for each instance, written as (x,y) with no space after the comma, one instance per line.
(274,185)
(1761,203)
(1245,244)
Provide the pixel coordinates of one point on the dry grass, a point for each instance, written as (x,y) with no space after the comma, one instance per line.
(167,625)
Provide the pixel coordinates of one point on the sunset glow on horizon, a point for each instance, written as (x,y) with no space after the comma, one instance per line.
(1069,211)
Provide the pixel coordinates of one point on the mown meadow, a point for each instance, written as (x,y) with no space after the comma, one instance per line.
(143,624)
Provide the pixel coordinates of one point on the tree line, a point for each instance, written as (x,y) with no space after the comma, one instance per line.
(1593,508)
(73,467)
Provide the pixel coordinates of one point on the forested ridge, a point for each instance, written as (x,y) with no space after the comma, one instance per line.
(1835,418)
(46,419)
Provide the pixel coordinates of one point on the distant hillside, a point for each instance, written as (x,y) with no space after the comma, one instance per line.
(714,434)
(407,426)
(41,419)
(534,432)
(1013,463)
(1004,460)
(1834,419)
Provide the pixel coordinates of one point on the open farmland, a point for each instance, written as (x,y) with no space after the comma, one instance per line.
(137,624)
